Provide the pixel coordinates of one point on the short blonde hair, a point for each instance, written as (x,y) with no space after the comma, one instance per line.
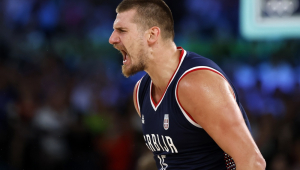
(151,13)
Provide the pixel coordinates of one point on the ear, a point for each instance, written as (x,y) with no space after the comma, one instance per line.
(153,35)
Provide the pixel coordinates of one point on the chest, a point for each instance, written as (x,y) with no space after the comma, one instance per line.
(160,129)
(157,117)
(159,113)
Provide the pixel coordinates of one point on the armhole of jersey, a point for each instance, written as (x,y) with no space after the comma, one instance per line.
(185,113)
(137,102)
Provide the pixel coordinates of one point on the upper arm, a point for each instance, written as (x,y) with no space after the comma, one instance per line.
(135,97)
(209,99)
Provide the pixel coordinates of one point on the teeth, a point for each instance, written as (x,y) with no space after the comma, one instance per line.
(125,58)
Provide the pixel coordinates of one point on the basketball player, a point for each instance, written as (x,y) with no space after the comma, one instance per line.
(190,112)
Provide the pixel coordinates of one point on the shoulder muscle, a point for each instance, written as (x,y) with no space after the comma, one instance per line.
(208,98)
(135,97)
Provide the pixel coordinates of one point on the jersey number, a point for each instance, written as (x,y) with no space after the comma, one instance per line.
(162,162)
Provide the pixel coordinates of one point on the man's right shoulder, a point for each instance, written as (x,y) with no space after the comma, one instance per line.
(136,91)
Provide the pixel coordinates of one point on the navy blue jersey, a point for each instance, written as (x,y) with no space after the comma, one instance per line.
(175,139)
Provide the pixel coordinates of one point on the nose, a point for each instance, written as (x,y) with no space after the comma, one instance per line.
(114,38)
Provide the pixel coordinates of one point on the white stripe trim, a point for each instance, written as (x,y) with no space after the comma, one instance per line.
(210,68)
(184,113)
(137,95)
(182,110)
(155,108)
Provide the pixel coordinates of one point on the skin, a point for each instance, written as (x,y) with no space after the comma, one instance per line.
(125,39)
(220,116)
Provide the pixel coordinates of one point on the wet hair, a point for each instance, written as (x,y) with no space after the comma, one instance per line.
(151,13)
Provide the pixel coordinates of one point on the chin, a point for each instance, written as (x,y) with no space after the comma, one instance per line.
(127,72)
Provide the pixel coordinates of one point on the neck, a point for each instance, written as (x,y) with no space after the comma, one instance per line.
(162,63)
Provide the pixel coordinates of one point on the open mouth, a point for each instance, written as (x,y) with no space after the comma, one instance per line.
(125,55)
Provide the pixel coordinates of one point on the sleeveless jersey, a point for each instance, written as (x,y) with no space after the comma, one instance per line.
(175,139)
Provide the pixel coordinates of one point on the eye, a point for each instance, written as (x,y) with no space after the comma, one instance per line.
(121,30)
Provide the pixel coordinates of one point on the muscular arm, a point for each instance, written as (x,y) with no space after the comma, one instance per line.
(135,99)
(209,99)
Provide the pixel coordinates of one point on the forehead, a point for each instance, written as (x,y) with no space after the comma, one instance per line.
(124,18)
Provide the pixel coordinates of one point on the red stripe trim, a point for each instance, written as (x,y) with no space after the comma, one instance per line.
(187,74)
(136,95)
(155,104)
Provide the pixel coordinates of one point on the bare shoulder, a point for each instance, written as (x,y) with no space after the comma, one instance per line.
(135,98)
(204,82)
(205,94)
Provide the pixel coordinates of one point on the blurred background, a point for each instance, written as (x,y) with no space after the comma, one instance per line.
(64,104)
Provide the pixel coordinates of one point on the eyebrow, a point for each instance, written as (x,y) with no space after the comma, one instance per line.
(120,28)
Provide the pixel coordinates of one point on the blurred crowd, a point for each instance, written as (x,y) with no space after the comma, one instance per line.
(64,103)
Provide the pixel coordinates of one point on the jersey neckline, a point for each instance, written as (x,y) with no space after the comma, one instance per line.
(181,58)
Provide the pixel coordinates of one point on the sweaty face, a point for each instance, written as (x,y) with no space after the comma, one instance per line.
(130,42)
